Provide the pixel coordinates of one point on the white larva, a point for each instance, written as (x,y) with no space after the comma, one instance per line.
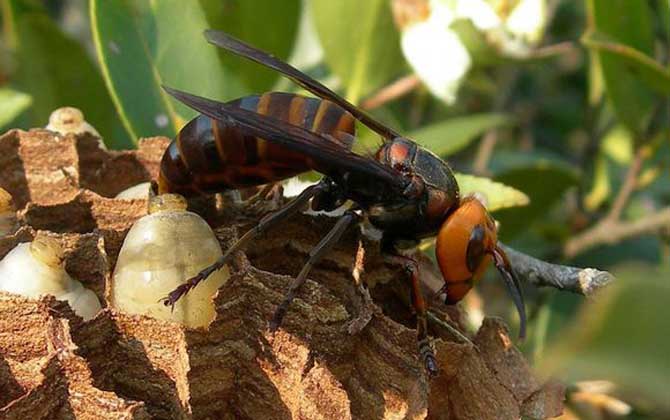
(70,120)
(160,252)
(139,191)
(33,269)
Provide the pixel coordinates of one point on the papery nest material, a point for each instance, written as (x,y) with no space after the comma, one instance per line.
(121,366)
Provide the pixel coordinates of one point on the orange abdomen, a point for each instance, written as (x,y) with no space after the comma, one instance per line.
(209,156)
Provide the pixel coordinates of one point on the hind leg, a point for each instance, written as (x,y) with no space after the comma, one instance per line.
(418,302)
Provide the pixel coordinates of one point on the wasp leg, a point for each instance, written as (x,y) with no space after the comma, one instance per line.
(261,194)
(266,223)
(325,245)
(425,349)
(272,192)
(269,198)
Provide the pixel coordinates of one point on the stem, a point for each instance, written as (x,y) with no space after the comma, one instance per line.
(614,231)
(626,189)
(484,153)
(395,90)
(487,145)
(555,49)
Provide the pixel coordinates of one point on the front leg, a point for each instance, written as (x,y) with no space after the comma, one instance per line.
(418,302)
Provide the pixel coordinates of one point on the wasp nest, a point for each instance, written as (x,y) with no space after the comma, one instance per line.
(53,364)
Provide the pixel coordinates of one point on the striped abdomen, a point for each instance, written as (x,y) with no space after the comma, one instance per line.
(208,156)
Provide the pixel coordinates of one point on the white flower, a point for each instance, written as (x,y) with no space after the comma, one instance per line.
(437,55)
(479,12)
(528,20)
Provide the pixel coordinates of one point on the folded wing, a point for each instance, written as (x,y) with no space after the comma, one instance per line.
(329,157)
(227,42)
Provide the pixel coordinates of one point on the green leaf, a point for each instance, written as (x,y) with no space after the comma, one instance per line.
(617,144)
(360,42)
(142,45)
(543,177)
(663,9)
(12,103)
(649,71)
(596,88)
(628,23)
(56,71)
(448,137)
(621,336)
(266,24)
(497,195)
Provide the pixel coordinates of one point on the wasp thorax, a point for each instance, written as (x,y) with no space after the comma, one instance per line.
(35,269)
(8,221)
(161,251)
(464,246)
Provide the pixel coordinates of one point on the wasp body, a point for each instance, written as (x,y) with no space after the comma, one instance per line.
(403,189)
(210,155)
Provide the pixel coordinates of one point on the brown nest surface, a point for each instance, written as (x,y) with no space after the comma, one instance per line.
(54,365)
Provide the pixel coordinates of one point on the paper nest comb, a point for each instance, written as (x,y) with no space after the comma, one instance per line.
(54,365)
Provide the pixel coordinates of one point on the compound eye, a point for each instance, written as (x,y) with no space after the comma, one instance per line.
(476,248)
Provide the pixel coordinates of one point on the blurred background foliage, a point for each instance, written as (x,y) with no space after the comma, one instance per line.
(564,100)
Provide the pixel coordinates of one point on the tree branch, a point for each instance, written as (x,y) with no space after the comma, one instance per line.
(627,188)
(583,281)
(392,91)
(611,232)
(484,153)
(561,48)
(507,82)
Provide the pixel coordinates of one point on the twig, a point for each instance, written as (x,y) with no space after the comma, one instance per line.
(611,229)
(611,232)
(393,91)
(488,143)
(555,49)
(584,281)
(627,188)
(484,153)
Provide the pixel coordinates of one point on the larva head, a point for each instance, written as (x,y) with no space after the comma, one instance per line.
(466,243)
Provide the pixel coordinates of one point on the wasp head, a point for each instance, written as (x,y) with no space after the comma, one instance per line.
(466,243)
